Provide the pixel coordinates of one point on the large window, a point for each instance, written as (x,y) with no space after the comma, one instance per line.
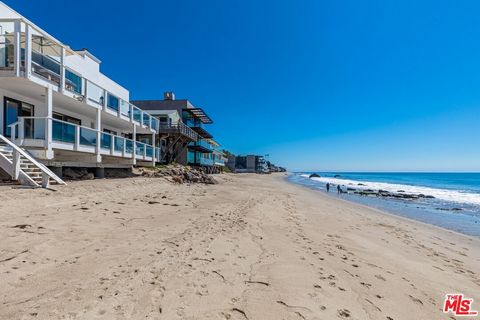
(65,118)
(12,110)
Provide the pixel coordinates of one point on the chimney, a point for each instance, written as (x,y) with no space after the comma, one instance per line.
(169,95)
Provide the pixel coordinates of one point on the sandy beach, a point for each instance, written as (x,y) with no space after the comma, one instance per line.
(250,247)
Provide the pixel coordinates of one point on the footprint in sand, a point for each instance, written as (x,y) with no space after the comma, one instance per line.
(344,313)
(416,300)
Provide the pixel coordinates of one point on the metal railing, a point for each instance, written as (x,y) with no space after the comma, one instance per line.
(180,128)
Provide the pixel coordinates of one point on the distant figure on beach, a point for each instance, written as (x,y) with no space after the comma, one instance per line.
(328,187)
(339,189)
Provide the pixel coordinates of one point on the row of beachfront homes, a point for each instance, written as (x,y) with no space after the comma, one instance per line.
(60,109)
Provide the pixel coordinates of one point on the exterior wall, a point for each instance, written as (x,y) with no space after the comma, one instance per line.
(40,110)
(7,12)
(251,162)
(162,105)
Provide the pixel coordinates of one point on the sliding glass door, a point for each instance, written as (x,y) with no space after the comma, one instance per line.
(12,110)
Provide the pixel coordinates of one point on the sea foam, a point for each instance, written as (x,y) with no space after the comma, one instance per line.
(457,196)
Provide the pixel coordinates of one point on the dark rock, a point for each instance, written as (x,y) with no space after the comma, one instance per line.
(336,176)
(450,209)
(314,175)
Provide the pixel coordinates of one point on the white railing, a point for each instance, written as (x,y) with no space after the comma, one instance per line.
(69,136)
(18,174)
(51,67)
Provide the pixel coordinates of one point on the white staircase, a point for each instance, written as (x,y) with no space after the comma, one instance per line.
(22,167)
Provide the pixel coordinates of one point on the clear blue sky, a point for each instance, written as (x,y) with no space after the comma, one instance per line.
(327,85)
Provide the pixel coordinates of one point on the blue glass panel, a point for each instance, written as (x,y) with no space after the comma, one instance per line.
(106,141)
(88,137)
(73,82)
(63,132)
(119,143)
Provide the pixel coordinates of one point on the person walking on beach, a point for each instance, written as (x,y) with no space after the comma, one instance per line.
(339,189)
(328,187)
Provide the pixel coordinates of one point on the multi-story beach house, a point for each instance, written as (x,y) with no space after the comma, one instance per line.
(183,136)
(61,109)
(250,164)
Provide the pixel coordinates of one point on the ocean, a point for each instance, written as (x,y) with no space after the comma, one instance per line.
(447,200)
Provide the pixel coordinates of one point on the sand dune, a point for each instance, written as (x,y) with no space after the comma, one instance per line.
(251,247)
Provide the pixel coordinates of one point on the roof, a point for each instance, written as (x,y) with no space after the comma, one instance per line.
(199,114)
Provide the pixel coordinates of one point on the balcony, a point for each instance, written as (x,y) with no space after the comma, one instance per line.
(219,162)
(199,161)
(198,127)
(30,53)
(201,146)
(178,128)
(35,132)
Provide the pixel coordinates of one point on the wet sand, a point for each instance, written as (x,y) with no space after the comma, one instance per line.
(251,247)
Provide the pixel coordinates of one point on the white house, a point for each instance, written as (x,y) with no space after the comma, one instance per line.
(57,105)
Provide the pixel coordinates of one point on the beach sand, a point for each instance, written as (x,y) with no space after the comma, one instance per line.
(251,247)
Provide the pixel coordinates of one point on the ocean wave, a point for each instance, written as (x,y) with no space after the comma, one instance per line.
(457,196)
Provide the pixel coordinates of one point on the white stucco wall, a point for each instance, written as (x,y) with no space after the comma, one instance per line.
(82,64)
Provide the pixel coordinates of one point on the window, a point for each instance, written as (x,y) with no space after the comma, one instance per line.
(65,118)
(12,110)
(109,131)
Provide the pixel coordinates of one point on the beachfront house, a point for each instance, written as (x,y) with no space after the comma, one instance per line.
(62,109)
(250,164)
(182,132)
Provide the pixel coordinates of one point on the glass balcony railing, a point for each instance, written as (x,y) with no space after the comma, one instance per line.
(106,141)
(139,148)
(46,67)
(88,137)
(137,114)
(202,144)
(7,62)
(73,82)
(95,93)
(63,131)
(155,124)
(198,159)
(129,146)
(146,119)
(149,151)
(206,161)
(124,108)
(35,128)
(112,102)
(118,143)
(47,63)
